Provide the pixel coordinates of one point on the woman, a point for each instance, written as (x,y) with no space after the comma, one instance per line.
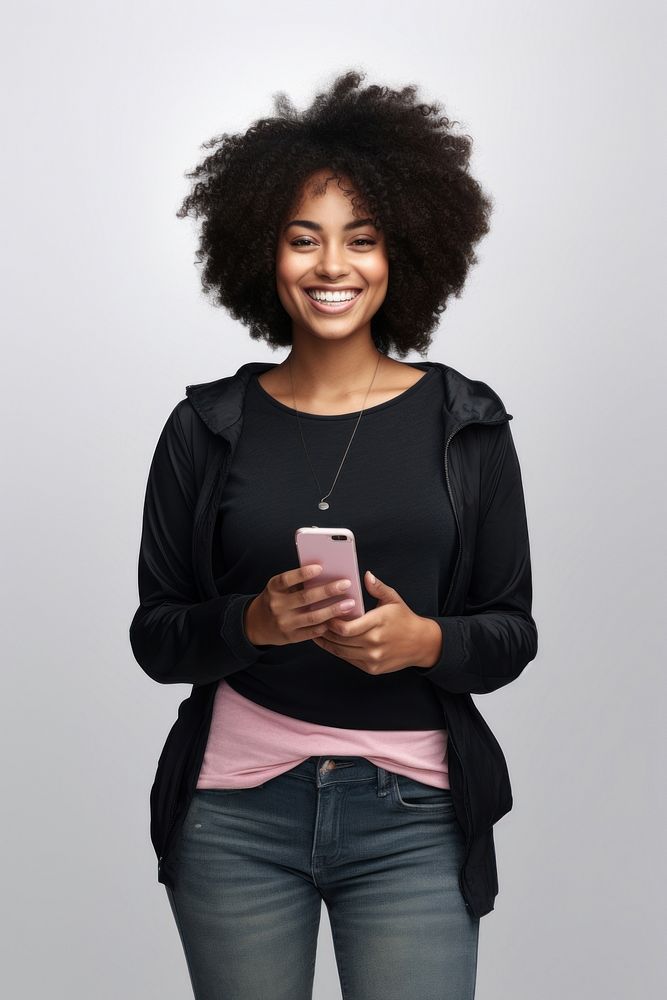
(316,757)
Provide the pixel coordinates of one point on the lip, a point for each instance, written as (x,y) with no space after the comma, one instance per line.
(333,308)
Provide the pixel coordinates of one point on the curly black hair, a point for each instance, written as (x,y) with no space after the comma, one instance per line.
(411,173)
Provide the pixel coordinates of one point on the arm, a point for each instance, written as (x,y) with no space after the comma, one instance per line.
(489,644)
(175,636)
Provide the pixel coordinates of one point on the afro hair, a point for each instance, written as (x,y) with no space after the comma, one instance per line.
(411,173)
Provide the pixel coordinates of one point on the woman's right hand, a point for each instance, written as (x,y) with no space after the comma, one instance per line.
(281,613)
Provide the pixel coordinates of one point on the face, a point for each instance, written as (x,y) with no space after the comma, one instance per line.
(324,247)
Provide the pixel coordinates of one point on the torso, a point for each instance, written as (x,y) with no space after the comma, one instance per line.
(397,379)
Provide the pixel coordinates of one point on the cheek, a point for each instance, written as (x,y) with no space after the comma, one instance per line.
(377,275)
(287,270)
(286,280)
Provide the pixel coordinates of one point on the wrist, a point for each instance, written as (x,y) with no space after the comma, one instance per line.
(250,623)
(431,643)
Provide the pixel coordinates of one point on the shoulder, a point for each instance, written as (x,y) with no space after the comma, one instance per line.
(471,398)
(478,410)
(184,439)
(180,421)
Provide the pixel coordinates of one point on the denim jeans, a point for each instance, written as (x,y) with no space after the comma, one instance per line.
(382,850)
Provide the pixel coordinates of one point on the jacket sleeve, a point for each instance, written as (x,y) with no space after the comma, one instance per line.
(175,636)
(493,640)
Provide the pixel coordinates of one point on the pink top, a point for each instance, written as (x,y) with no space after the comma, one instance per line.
(249,744)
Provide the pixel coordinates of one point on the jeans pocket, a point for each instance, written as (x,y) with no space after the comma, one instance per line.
(416,796)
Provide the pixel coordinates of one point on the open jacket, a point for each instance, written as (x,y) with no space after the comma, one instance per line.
(185,632)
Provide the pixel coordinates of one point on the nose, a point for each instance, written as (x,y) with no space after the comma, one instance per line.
(331,264)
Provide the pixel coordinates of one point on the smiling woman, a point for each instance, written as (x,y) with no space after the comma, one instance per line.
(311,761)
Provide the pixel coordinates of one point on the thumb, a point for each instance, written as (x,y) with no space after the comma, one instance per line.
(383,591)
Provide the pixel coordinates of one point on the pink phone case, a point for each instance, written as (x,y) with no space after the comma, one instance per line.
(334,549)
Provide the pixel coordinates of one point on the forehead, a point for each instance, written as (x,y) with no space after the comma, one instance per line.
(325,187)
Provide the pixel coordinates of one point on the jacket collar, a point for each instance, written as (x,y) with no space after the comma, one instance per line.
(220,403)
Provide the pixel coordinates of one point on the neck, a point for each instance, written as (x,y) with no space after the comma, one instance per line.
(331,369)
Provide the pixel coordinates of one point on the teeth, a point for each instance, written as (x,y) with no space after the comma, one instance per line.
(331,296)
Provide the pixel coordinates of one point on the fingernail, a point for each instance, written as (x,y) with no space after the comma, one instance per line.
(346,605)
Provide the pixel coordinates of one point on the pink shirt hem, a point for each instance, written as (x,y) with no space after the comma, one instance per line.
(249,744)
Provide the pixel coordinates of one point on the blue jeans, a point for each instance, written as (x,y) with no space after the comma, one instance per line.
(382,850)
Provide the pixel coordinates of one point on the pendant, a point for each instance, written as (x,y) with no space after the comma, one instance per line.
(323,505)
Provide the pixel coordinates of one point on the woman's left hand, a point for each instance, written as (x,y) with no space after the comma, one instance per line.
(390,637)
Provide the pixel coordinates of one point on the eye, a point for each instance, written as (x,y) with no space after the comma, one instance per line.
(305,241)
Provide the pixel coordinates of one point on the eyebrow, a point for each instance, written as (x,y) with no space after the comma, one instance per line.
(307,224)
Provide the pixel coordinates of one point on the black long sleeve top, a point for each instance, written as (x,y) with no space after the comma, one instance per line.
(391,492)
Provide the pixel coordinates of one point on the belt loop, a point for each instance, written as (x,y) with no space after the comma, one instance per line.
(383,782)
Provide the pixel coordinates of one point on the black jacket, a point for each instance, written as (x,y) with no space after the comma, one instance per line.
(185,632)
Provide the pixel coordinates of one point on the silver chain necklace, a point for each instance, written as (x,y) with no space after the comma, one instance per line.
(323,505)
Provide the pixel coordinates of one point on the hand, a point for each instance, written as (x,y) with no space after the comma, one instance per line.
(281,613)
(388,638)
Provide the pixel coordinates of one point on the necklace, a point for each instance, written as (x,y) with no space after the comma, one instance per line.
(323,505)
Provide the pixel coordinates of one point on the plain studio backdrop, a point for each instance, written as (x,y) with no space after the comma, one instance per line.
(105,323)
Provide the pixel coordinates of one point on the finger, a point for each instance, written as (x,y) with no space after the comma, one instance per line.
(359,626)
(292,578)
(310,618)
(336,643)
(314,594)
(330,612)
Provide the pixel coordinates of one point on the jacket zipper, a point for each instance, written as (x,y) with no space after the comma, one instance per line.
(451,495)
(456,517)
(449,737)
(451,584)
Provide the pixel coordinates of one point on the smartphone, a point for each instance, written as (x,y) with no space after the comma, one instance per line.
(335,550)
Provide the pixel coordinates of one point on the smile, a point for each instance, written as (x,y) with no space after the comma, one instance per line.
(336,302)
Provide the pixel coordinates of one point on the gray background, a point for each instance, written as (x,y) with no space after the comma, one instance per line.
(105,105)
